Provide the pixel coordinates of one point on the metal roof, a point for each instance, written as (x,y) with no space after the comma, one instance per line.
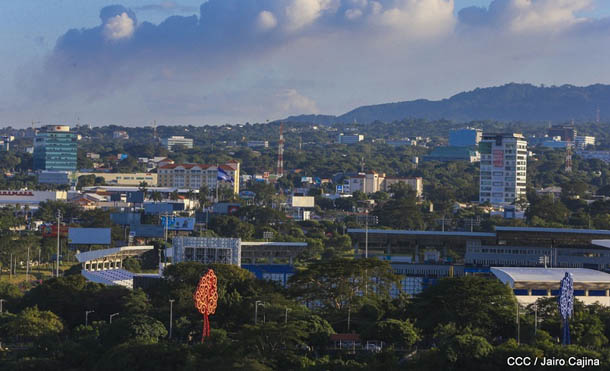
(271,244)
(421,233)
(602,243)
(511,275)
(98,254)
(553,230)
(137,189)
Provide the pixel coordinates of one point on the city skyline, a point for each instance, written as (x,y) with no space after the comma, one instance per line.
(65,62)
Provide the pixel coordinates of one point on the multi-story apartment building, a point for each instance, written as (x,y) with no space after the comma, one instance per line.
(503,168)
(374,182)
(170,142)
(194,176)
(55,149)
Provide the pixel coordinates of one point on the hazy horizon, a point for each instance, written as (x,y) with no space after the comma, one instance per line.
(235,61)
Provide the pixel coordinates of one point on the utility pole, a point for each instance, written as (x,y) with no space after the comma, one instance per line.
(535,318)
(27,267)
(518,326)
(349,317)
(256,304)
(87,316)
(171,316)
(1,301)
(286,316)
(58,233)
(366,234)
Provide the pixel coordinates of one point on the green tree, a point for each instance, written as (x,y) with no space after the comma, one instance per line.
(32,323)
(136,327)
(401,334)
(478,303)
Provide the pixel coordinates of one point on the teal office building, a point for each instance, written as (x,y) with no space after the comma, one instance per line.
(55,149)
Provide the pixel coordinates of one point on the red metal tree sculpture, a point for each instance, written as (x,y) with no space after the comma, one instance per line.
(206,299)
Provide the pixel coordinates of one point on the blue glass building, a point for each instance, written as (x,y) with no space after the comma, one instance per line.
(55,149)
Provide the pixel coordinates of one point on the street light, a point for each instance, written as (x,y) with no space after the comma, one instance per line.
(58,232)
(87,317)
(286,315)
(171,316)
(113,315)
(256,304)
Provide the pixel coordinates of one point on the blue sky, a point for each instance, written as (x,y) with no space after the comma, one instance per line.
(252,60)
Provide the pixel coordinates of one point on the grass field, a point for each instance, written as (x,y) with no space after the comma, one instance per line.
(36,273)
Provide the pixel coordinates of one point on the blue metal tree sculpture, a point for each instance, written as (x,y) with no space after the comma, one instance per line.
(566,305)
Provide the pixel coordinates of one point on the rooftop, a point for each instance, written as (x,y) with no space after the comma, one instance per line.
(511,275)
(553,230)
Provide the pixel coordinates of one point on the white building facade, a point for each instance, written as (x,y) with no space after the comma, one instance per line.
(503,168)
(170,142)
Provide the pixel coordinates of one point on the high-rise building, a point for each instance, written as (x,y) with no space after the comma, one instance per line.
(194,176)
(55,149)
(170,142)
(503,168)
(467,137)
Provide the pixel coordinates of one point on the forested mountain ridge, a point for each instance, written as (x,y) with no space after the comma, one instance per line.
(509,103)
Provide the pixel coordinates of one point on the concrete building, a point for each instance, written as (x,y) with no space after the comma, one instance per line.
(594,155)
(349,139)
(206,250)
(126,179)
(564,132)
(30,198)
(194,176)
(467,137)
(120,134)
(583,141)
(374,182)
(54,177)
(503,168)
(258,144)
(170,142)
(55,149)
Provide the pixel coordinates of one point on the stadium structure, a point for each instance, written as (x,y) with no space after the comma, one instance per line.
(106,266)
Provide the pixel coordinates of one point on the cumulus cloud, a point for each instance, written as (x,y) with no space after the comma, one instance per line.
(338,53)
(526,15)
(119,27)
(166,7)
(266,20)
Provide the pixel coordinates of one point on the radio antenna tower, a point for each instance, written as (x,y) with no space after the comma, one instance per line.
(155,129)
(280,153)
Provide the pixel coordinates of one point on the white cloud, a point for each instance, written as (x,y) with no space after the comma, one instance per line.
(336,53)
(521,16)
(119,27)
(353,14)
(266,20)
(300,13)
(291,102)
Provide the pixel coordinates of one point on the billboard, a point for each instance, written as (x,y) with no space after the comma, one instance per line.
(89,236)
(302,201)
(178,223)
